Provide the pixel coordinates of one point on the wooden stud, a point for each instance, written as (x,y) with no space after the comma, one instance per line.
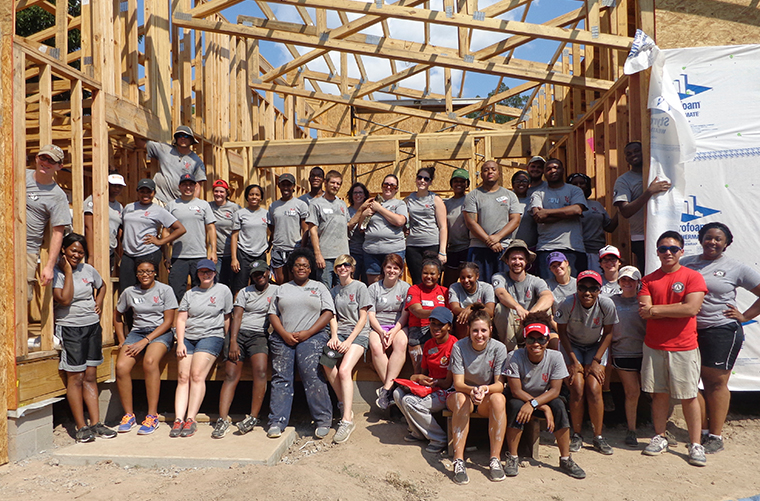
(76,154)
(19,186)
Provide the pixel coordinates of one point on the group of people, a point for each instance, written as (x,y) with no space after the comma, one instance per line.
(517,307)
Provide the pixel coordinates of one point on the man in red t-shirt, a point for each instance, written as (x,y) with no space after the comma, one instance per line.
(669,300)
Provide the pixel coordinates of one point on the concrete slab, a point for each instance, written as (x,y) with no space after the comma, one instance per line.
(160,451)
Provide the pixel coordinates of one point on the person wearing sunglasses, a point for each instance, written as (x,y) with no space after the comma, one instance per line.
(384,232)
(428,229)
(584,324)
(669,300)
(534,375)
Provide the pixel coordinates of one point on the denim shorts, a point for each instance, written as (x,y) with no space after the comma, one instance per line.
(586,354)
(373,263)
(167,338)
(211,345)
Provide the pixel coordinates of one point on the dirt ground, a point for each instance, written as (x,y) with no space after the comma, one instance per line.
(377,464)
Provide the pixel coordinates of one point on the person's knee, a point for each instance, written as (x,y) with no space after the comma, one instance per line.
(91,376)
(498,401)
(197,376)
(183,377)
(123,368)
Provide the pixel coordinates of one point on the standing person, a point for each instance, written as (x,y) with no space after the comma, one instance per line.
(465,293)
(299,313)
(316,179)
(609,262)
(248,241)
(199,242)
(428,229)
(388,319)
(357,195)
(224,211)
(491,213)
(435,379)
(584,324)
(142,224)
(669,300)
(527,231)
(476,365)
(287,223)
(154,309)
(202,321)
(458,234)
(631,199)
(78,294)
(719,325)
(45,203)
(534,375)
(626,347)
(328,215)
(249,333)
(562,284)
(115,186)
(348,341)
(557,209)
(595,222)
(536,172)
(420,301)
(384,234)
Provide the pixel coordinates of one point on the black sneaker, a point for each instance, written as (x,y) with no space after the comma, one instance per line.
(601,445)
(102,431)
(221,428)
(176,430)
(460,473)
(631,439)
(247,424)
(497,471)
(576,442)
(713,444)
(511,466)
(568,466)
(84,435)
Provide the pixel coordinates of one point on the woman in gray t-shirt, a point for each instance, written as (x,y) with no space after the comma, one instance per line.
(250,238)
(469,290)
(428,228)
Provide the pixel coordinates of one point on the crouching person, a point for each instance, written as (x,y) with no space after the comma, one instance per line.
(535,375)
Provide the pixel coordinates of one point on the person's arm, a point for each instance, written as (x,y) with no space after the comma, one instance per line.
(56,240)
(320,324)
(211,242)
(171,234)
(506,299)
(88,234)
(277,326)
(227,318)
(575,366)
(612,223)
(234,263)
(628,209)
(315,244)
(390,216)
(133,350)
(509,228)
(100,295)
(526,411)
(118,327)
(544,303)
(304,230)
(689,307)
(596,368)
(354,221)
(548,216)
(749,314)
(140,142)
(471,221)
(443,228)
(179,330)
(64,295)
(418,311)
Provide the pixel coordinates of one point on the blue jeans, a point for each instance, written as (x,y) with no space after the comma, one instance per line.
(327,275)
(487,260)
(306,355)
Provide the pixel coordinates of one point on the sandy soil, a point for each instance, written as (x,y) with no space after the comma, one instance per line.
(377,464)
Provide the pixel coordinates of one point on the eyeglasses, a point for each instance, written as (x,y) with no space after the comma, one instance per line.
(540,340)
(520,181)
(341,265)
(423,178)
(673,249)
(593,289)
(145,273)
(389,185)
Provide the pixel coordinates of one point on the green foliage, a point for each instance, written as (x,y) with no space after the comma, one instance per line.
(35,19)
(517,101)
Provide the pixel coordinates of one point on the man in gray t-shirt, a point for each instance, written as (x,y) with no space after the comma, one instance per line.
(328,227)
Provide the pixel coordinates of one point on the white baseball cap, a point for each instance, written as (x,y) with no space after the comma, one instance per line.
(116,179)
(607,250)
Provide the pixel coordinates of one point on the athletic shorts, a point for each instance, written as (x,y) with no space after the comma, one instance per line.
(719,346)
(211,345)
(280,257)
(82,347)
(419,335)
(673,372)
(135,336)
(454,259)
(250,344)
(631,364)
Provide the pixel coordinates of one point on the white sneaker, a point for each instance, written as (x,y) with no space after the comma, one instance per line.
(657,446)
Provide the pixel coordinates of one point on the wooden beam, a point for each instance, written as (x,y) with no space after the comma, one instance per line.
(496,98)
(212,7)
(57,67)
(132,118)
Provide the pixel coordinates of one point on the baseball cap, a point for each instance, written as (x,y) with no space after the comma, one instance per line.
(629,271)
(330,357)
(186,177)
(184,129)
(461,174)
(590,274)
(442,314)
(258,266)
(53,152)
(518,244)
(607,250)
(555,257)
(537,159)
(287,177)
(147,183)
(540,328)
(116,179)
(205,264)
(222,183)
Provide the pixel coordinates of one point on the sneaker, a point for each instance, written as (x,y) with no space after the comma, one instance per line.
(102,431)
(345,428)
(84,435)
(189,429)
(149,425)
(435,448)
(127,423)
(571,468)
(221,428)
(631,439)
(601,445)
(497,471)
(460,473)
(576,442)
(411,437)
(321,432)
(247,424)
(176,428)
(384,399)
(697,455)
(609,402)
(511,466)
(274,432)
(657,446)
(713,444)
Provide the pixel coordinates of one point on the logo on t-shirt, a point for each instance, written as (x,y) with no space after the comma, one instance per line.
(291,212)
(444,362)
(187,165)
(156,299)
(147,214)
(263,220)
(678,287)
(32,196)
(545,377)
(212,299)
(409,298)
(596,321)
(440,298)
(399,298)
(720,273)
(528,294)
(558,314)
(351,298)
(85,280)
(503,200)
(567,200)
(196,208)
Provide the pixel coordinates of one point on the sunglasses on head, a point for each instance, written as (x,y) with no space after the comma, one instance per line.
(592,289)
(423,178)
(668,248)
(540,340)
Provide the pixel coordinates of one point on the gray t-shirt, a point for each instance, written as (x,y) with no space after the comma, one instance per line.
(355,237)
(206,309)
(224,215)
(307,198)
(561,292)
(114,219)
(584,326)
(484,294)
(479,367)
(139,221)
(194,214)
(348,301)
(459,235)
(541,186)
(628,187)
(381,237)
(173,165)
(628,334)
(528,230)
(255,304)
(565,233)
(722,276)
(252,227)
(610,289)
(593,222)
(388,304)
(44,203)
(331,219)
(526,292)
(423,228)
(286,218)
(493,210)
(536,378)
(81,311)
(148,306)
(299,307)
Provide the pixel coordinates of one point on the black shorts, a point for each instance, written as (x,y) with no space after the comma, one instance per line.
(719,346)
(454,259)
(82,347)
(558,407)
(631,364)
(250,344)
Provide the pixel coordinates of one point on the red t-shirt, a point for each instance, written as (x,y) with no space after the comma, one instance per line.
(437,296)
(672,334)
(435,357)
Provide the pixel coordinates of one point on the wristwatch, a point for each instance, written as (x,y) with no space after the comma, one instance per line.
(534,403)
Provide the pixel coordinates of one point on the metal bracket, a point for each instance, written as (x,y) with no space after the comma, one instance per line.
(183,16)
(595,32)
(372,39)
(479,16)
(449,11)
(469,58)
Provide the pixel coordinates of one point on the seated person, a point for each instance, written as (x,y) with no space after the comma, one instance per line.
(466,292)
